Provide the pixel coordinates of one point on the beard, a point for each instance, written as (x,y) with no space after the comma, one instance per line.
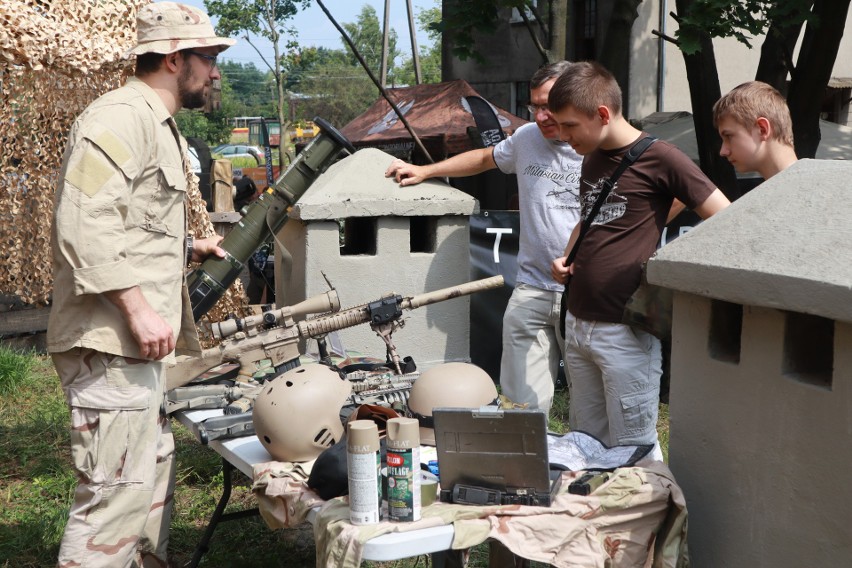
(190,98)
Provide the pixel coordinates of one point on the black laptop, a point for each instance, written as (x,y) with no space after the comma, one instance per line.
(488,456)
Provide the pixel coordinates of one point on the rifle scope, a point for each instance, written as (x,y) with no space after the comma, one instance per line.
(264,218)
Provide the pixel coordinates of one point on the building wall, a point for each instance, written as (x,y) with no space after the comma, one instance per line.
(512,58)
(762,458)
(432,334)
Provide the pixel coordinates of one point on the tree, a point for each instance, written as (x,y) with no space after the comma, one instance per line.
(266,18)
(332,83)
(430,55)
(366,34)
(251,89)
(781,21)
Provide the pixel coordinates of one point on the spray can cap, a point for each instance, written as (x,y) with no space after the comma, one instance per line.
(403,433)
(363,437)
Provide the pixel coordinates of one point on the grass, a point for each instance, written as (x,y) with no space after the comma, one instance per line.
(37,485)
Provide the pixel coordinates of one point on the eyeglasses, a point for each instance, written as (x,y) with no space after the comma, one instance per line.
(209,58)
(535,109)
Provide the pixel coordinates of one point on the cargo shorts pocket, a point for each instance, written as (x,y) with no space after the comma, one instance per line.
(639,413)
(114,431)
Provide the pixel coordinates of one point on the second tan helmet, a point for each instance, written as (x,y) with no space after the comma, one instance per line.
(297,415)
(451,385)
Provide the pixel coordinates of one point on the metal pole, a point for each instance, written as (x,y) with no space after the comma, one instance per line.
(415,57)
(382,90)
(385,33)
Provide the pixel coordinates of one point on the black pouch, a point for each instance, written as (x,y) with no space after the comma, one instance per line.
(650,309)
(563,308)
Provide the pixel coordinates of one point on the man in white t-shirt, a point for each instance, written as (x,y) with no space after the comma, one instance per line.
(548,172)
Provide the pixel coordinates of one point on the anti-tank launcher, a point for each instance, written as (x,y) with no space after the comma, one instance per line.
(263,218)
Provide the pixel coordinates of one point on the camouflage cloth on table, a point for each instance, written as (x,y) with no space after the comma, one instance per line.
(283,497)
(636,519)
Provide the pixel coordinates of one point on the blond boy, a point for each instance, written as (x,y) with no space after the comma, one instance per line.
(756,129)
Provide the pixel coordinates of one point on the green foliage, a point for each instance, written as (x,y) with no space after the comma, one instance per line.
(741,19)
(300,65)
(213,128)
(332,83)
(366,34)
(15,367)
(36,477)
(243,162)
(430,55)
(266,18)
(247,91)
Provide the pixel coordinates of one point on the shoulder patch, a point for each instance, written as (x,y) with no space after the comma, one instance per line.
(91,172)
(113,147)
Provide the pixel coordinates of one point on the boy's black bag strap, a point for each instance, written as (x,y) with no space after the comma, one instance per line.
(628,160)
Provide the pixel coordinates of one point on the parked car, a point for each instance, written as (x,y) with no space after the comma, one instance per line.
(230,151)
(194,162)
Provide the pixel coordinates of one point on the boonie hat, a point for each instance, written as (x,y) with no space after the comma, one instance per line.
(167,27)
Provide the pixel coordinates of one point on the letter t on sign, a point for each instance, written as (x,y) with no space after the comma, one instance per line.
(499,232)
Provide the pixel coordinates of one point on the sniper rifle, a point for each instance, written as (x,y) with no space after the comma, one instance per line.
(275,336)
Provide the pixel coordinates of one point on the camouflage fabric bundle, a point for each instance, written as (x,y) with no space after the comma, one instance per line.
(56,58)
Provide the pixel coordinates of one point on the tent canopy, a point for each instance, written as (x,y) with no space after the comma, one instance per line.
(438,114)
(679,129)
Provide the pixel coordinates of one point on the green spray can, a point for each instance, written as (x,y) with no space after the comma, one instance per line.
(403,463)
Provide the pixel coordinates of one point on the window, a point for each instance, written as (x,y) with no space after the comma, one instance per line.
(585,29)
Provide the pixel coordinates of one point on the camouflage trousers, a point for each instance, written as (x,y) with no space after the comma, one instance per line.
(123,453)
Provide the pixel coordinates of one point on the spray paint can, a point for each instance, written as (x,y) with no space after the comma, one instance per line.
(403,463)
(363,461)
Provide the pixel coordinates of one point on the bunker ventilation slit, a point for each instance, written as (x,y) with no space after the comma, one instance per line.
(360,235)
(423,234)
(808,349)
(726,330)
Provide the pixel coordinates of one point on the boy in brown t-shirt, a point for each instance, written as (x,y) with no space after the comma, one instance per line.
(756,129)
(615,369)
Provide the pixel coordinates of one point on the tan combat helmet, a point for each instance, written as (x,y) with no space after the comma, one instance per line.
(297,415)
(451,385)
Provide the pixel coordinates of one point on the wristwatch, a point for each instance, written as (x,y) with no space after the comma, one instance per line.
(190,246)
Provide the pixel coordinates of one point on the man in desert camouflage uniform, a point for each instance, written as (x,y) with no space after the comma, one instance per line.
(120,306)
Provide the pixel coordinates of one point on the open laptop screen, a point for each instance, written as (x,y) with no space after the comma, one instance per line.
(503,451)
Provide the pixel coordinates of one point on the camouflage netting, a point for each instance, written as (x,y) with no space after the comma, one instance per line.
(55,58)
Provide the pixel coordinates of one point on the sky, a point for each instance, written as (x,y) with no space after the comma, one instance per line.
(315,29)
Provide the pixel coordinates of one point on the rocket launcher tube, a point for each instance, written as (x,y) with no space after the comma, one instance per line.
(263,218)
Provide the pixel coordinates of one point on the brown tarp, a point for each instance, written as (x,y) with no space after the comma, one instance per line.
(437,114)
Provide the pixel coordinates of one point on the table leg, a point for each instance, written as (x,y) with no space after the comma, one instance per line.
(501,557)
(219,515)
(448,559)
